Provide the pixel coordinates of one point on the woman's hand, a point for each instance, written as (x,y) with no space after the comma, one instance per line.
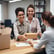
(30,42)
(39,34)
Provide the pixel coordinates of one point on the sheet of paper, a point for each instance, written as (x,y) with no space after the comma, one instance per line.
(21,44)
(36,40)
(33,40)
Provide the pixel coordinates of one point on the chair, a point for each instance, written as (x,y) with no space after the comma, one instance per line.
(8,23)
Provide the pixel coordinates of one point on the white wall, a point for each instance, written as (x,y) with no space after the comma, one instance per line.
(24,3)
(0,12)
(4,10)
(13,6)
(8,9)
(52,6)
(47,5)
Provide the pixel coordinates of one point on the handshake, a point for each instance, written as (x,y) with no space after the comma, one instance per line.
(28,36)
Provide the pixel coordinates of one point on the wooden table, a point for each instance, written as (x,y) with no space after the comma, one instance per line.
(16,50)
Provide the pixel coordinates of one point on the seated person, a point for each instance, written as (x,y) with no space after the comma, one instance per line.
(20,26)
(47,37)
(32,20)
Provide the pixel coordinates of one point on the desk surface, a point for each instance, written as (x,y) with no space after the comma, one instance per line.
(16,50)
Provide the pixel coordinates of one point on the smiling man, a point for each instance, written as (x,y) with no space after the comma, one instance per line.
(20,26)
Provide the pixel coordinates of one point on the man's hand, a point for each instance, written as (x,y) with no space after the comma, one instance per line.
(22,37)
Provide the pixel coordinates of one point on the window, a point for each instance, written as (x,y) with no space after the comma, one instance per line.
(0,13)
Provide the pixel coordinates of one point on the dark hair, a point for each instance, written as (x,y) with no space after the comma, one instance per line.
(51,22)
(46,16)
(31,6)
(19,9)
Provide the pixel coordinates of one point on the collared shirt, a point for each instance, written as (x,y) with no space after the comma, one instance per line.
(20,29)
(34,25)
(47,39)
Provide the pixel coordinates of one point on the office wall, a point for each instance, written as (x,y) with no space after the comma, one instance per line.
(8,9)
(0,12)
(24,3)
(47,5)
(4,10)
(52,6)
(13,6)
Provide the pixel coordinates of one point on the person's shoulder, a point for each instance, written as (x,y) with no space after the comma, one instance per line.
(36,19)
(15,23)
(26,23)
(48,32)
(26,20)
